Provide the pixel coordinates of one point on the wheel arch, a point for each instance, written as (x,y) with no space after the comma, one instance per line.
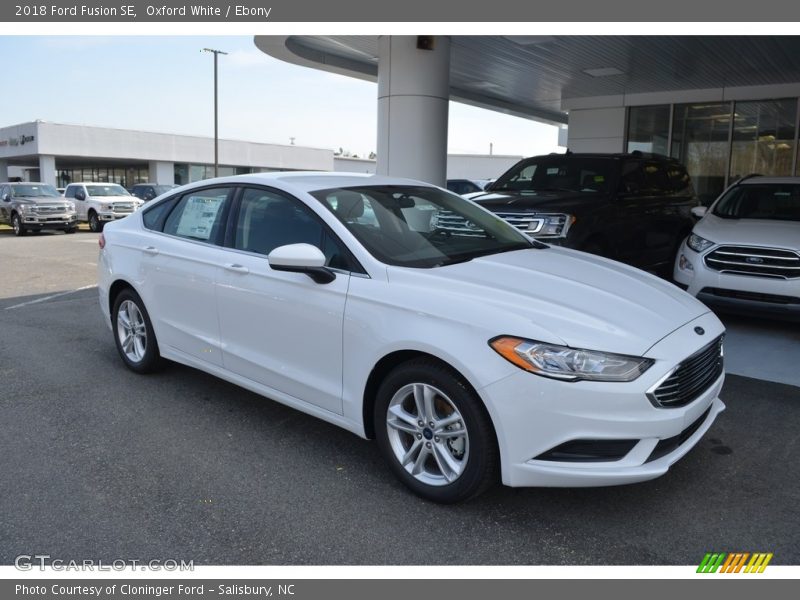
(394,359)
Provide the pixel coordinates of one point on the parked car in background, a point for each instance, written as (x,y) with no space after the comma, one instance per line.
(635,208)
(465,186)
(745,251)
(34,207)
(468,357)
(99,203)
(148,191)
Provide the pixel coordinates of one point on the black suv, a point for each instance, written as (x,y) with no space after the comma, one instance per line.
(635,208)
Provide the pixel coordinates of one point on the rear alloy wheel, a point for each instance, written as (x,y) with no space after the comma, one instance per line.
(133,333)
(17,226)
(95,224)
(435,433)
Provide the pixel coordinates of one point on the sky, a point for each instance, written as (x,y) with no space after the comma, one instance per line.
(165,84)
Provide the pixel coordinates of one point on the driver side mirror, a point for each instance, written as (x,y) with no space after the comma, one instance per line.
(6,198)
(301,258)
(80,195)
(699,211)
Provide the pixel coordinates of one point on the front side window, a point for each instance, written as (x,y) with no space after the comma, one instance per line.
(778,202)
(558,173)
(70,191)
(268,220)
(198,215)
(422,227)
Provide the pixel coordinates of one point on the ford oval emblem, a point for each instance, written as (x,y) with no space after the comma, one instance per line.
(699,330)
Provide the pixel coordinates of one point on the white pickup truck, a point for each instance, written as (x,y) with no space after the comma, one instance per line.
(98,203)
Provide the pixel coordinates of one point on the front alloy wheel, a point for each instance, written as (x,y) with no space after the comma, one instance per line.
(17,226)
(435,433)
(95,224)
(427,434)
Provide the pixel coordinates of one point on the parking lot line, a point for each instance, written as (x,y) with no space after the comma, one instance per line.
(38,300)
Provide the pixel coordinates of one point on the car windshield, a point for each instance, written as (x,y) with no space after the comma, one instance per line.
(106,190)
(779,202)
(403,225)
(34,191)
(562,172)
(163,189)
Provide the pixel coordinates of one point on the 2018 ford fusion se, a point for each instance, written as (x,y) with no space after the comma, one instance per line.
(468,358)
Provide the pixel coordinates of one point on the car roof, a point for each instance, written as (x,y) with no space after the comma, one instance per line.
(311,181)
(24,183)
(760,179)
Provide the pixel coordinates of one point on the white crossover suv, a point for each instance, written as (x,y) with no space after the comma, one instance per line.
(99,203)
(745,252)
(467,357)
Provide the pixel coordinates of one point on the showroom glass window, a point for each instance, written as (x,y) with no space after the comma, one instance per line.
(648,129)
(700,134)
(763,137)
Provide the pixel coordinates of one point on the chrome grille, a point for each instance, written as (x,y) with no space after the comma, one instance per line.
(690,378)
(446,220)
(51,209)
(122,207)
(760,262)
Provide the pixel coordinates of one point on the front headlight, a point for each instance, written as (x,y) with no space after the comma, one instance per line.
(71,206)
(569,364)
(698,244)
(551,225)
(28,208)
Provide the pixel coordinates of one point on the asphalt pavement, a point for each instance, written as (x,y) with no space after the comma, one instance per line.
(98,462)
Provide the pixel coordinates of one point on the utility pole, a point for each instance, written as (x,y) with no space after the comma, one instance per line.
(216,128)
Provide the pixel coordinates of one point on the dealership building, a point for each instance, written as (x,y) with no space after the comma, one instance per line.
(60,154)
(723,105)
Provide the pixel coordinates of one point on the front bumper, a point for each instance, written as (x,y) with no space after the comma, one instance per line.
(753,294)
(533,415)
(112,216)
(34,221)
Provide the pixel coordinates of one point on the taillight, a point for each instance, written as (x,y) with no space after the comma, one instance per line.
(102,241)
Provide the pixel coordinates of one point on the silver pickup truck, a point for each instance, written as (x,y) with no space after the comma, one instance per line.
(34,207)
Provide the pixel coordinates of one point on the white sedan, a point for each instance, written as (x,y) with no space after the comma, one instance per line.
(469,358)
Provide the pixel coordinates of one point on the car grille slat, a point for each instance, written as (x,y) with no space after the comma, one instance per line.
(754,261)
(690,378)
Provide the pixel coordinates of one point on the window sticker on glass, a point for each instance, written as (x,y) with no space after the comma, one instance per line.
(552,170)
(199,216)
(599,178)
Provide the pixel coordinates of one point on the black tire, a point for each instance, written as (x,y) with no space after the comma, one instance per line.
(70,230)
(95,224)
(151,360)
(17,225)
(480,471)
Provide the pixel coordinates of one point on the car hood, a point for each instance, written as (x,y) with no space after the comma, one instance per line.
(40,200)
(532,200)
(750,232)
(558,295)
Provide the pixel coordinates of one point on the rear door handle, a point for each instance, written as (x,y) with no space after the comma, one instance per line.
(151,250)
(237,268)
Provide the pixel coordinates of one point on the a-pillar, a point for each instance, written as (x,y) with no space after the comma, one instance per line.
(413,96)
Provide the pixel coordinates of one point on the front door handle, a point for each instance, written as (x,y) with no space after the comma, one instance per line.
(151,250)
(237,268)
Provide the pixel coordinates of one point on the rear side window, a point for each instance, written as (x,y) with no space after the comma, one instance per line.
(154,217)
(198,215)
